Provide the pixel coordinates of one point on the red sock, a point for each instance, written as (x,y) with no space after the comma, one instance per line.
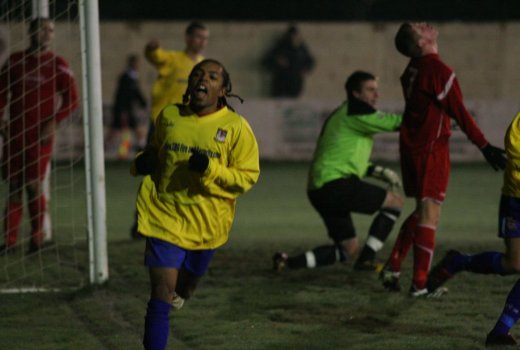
(424,244)
(13,217)
(37,212)
(403,243)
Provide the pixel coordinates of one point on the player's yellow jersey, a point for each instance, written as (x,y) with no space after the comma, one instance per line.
(511,185)
(173,69)
(183,207)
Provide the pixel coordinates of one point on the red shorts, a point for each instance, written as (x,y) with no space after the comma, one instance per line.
(29,164)
(426,174)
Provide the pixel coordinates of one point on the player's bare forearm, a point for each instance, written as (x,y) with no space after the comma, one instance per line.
(47,130)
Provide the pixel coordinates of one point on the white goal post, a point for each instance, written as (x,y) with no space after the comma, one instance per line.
(94,153)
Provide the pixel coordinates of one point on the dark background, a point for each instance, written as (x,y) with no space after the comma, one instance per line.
(298,10)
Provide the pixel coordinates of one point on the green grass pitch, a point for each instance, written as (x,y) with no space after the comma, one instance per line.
(242,304)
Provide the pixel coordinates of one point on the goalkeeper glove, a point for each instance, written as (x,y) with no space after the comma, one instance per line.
(387,175)
(496,157)
(198,162)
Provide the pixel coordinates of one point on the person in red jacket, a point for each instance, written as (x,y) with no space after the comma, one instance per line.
(433,99)
(38,91)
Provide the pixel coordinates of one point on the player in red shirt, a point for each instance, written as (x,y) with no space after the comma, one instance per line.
(433,99)
(38,89)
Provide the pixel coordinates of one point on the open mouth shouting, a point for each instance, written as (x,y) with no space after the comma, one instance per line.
(200,91)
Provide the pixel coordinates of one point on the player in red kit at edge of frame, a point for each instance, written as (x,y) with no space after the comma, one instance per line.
(432,99)
(39,90)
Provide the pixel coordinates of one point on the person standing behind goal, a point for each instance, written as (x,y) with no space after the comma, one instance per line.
(126,121)
(40,90)
(173,69)
(335,188)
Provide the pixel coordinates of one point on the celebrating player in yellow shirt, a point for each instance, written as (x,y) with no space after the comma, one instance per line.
(202,156)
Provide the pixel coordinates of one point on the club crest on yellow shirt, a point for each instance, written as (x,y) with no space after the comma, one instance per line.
(221,135)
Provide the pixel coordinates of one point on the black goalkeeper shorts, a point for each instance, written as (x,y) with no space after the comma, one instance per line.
(336,200)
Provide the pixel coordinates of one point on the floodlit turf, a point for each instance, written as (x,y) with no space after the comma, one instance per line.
(242,304)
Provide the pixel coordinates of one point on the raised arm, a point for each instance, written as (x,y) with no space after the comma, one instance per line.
(154,53)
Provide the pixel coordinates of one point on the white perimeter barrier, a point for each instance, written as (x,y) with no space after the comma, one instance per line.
(288,129)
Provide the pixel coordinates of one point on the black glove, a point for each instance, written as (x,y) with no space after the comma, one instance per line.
(198,162)
(146,162)
(496,157)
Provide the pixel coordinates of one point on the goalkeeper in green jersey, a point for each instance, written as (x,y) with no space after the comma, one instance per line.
(335,188)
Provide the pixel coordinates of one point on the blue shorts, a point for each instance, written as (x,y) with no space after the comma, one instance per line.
(160,253)
(509,217)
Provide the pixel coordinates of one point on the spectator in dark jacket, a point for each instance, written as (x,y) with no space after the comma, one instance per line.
(290,61)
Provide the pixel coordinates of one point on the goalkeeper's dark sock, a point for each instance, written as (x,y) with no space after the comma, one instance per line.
(511,313)
(156,325)
(378,233)
(319,256)
(403,243)
(485,263)
(13,218)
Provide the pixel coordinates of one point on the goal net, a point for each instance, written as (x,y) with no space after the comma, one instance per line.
(44,208)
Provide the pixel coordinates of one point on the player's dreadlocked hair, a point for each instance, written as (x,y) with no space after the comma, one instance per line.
(406,41)
(222,101)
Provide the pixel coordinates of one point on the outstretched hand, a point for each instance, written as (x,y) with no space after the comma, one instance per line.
(152,45)
(496,157)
